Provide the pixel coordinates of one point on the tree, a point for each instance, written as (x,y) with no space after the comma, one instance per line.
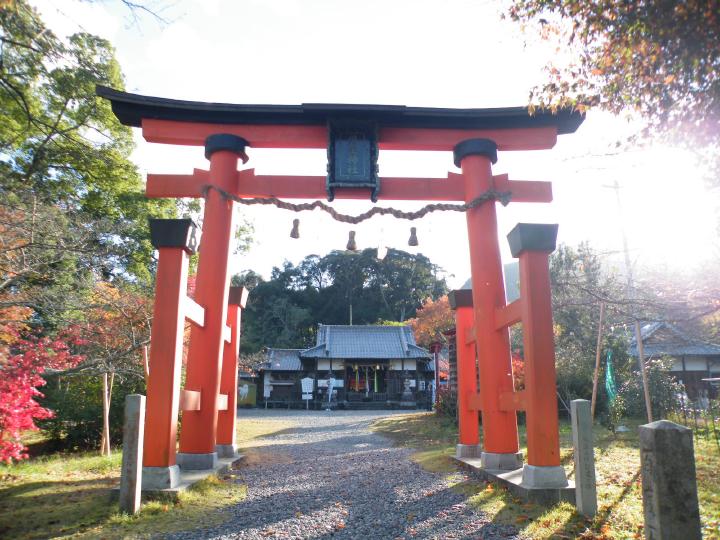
(579,282)
(72,210)
(433,318)
(285,311)
(660,60)
(115,327)
(74,241)
(20,377)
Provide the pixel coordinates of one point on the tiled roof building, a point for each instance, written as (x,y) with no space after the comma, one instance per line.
(367,365)
(693,359)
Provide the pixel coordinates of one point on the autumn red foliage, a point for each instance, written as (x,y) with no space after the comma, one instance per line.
(433,318)
(20,378)
(518,371)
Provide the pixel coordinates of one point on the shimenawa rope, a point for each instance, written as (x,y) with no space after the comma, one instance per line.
(502,196)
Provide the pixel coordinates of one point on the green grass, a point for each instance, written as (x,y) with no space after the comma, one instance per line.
(70,495)
(617,463)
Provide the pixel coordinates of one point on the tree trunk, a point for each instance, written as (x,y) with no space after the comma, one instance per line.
(146,364)
(105,440)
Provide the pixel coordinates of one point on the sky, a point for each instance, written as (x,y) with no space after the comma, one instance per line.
(454,53)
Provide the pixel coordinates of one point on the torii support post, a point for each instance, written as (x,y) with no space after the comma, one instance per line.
(532,244)
(175,240)
(500,437)
(228,381)
(468,417)
(198,435)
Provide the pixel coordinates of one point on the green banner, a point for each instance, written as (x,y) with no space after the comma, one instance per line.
(610,387)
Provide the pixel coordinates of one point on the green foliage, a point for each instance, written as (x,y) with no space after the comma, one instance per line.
(64,156)
(658,59)
(446,403)
(662,386)
(617,410)
(579,283)
(339,288)
(77,404)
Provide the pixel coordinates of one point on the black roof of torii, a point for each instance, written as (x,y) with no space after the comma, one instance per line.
(132,108)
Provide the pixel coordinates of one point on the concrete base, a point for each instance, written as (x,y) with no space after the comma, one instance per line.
(197,462)
(501,462)
(468,450)
(225,450)
(188,478)
(513,482)
(160,477)
(544,477)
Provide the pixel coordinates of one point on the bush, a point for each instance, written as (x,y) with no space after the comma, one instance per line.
(77,404)
(446,403)
(663,389)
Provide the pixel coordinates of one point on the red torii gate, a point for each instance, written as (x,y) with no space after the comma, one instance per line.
(350,133)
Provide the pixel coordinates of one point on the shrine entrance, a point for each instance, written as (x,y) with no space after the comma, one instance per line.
(369,381)
(353,136)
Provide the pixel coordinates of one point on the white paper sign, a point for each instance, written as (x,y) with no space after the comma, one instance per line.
(307,385)
(307,396)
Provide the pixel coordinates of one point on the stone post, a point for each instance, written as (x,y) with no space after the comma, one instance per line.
(585,491)
(669,488)
(131,471)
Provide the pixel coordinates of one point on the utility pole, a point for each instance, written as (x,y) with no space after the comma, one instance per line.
(598,350)
(631,293)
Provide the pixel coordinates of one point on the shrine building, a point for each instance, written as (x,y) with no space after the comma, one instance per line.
(371,367)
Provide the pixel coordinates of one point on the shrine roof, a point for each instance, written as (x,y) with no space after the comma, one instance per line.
(662,338)
(361,342)
(282,360)
(131,109)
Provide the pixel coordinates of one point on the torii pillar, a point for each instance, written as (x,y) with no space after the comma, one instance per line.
(532,244)
(500,436)
(225,446)
(175,240)
(466,361)
(199,427)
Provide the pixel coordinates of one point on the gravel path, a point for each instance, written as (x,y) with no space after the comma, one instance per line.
(330,476)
